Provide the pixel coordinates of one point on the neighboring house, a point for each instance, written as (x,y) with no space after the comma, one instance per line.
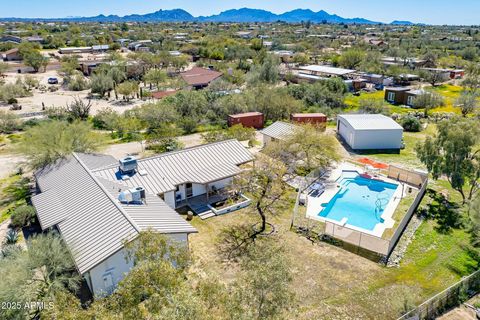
(35,39)
(141,45)
(244,34)
(199,78)
(370,132)
(75,50)
(100,48)
(401,95)
(248,119)
(442,74)
(12,55)
(377,80)
(279,130)
(10,39)
(285,55)
(179,176)
(314,73)
(95,216)
(312,118)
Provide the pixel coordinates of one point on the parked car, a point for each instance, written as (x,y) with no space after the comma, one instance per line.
(52,81)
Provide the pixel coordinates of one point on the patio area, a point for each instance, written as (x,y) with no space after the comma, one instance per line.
(203,206)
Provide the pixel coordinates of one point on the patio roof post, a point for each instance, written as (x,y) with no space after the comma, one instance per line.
(206,187)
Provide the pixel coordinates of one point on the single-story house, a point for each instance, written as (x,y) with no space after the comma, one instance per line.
(244,34)
(35,39)
(401,95)
(199,78)
(75,50)
(326,71)
(179,176)
(12,55)
(278,130)
(95,216)
(140,45)
(443,74)
(370,132)
(10,39)
(247,119)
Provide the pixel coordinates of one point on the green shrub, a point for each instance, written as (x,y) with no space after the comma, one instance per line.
(23,216)
(411,124)
(12,101)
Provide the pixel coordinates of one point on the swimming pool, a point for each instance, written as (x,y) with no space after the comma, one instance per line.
(360,200)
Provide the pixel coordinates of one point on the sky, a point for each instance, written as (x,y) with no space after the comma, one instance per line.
(464,12)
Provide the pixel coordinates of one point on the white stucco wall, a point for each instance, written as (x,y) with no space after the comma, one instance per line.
(198,189)
(110,271)
(169,198)
(114,269)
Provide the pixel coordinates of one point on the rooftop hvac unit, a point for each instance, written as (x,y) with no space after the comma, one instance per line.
(134,195)
(128,165)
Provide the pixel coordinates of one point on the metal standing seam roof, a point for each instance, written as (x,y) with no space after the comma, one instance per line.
(154,214)
(92,222)
(327,70)
(279,130)
(370,122)
(201,164)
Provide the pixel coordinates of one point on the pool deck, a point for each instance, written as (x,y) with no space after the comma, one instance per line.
(314,204)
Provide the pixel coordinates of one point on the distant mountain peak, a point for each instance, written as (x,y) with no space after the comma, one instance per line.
(245,15)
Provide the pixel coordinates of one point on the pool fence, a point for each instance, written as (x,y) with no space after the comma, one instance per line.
(358,241)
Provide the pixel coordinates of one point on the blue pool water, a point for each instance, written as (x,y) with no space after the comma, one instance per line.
(360,200)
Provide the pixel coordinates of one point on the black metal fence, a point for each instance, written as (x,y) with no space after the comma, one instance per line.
(449,298)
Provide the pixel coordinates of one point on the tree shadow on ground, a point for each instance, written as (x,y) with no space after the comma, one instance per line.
(469,266)
(446,213)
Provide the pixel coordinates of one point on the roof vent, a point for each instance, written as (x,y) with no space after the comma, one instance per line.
(134,195)
(128,165)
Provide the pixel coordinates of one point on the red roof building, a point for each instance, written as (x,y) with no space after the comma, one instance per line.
(313,118)
(199,78)
(162,94)
(248,120)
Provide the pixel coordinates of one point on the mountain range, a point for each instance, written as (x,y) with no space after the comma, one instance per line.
(235,15)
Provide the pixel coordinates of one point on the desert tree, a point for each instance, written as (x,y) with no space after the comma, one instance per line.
(101,84)
(262,291)
(36,275)
(127,89)
(155,76)
(427,101)
(453,153)
(468,102)
(307,148)
(51,140)
(472,77)
(79,109)
(266,189)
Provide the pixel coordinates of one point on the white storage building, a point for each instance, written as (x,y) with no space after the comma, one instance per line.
(370,131)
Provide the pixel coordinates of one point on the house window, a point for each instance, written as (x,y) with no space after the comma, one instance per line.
(410,100)
(391,96)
